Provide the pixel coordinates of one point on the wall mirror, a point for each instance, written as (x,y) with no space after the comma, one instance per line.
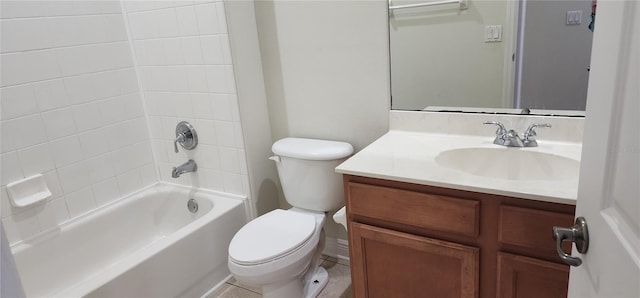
(508,56)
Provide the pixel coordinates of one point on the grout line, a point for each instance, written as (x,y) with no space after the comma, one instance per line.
(239,286)
(65,46)
(61,16)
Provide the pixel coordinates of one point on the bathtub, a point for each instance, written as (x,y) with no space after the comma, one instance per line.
(145,245)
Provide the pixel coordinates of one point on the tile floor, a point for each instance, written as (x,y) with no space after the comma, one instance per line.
(339,285)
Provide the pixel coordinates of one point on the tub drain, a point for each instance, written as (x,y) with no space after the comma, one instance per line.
(192,205)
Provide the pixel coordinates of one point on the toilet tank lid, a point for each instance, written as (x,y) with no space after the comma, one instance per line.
(311,149)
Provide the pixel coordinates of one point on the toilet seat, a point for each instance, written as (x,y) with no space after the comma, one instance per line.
(271,236)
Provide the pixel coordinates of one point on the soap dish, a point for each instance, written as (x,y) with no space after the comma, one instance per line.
(28,191)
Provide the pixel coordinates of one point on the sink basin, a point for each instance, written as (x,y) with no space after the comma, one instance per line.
(510,164)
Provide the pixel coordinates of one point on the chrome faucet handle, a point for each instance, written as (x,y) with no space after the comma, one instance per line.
(179,139)
(501,132)
(186,136)
(529,135)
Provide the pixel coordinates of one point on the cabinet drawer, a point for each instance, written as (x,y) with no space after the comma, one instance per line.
(422,210)
(532,229)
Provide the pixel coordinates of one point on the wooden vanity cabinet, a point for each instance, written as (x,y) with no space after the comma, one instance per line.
(410,240)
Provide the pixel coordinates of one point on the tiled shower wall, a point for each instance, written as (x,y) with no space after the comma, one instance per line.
(182,49)
(71,107)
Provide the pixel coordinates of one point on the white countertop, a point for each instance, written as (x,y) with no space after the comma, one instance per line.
(408,156)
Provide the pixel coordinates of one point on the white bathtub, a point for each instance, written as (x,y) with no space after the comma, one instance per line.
(145,245)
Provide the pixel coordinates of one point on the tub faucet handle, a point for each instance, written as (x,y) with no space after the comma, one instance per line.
(185,136)
(179,139)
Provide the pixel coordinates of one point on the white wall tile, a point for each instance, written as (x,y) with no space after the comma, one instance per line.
(171,51)
(59,123)
(53,183)
(69,71)
(106,191)
(129,182)
(197,78)
(225,134)
(89,29)
(211,179)
(233,183)
(80,202)
(216,78)
(66,150)
(207,156)
(94,142)
(6,209)
(221,106)
(206,131)
(120,108)
(14,32)
(113,26)
(182,105)
(212,50)
(87,116)
(74,177)
(187,20)
(17,101)
(201,103)
(26,67)
(50,94)
(36,160)
(207,18)
(11,170)
(100,168)
(220,16)
(192,50)
(28,131)
(229,161)
(226,49)
(75,60)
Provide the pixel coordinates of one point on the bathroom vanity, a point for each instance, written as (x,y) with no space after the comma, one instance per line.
(409,240)
(420,227)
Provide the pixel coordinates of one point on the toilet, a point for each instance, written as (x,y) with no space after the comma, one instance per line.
(280,250)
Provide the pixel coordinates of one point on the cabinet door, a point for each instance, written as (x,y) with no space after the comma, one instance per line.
(525,277)
(387,263)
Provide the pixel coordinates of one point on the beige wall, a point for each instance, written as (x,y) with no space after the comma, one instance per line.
(439,57)
(326,70)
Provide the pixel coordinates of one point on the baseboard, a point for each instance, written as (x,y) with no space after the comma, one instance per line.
(337,248)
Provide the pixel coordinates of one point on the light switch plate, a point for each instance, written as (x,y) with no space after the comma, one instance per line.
(574,17)
(493,33)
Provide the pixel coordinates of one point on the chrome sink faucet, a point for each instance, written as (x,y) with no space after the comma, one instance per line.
(189,166)
(510,138)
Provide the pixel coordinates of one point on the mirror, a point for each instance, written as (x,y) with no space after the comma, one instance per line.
(491,56)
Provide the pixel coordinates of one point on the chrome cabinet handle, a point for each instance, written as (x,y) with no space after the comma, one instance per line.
(578,234)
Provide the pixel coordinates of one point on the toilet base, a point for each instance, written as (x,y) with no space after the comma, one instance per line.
(316,283)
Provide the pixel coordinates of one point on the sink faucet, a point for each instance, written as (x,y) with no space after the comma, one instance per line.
(189,166)
(529,139)
(511,138)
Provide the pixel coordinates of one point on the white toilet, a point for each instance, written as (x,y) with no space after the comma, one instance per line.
(280,251)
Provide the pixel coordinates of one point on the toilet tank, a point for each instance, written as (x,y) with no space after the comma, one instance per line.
(306,168)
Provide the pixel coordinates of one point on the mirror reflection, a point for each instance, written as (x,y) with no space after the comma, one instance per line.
(490,54)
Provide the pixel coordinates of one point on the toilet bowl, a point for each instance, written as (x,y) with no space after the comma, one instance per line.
(280,251)
(273,255)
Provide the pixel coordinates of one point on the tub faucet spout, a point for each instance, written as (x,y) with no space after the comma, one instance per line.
(189,166)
